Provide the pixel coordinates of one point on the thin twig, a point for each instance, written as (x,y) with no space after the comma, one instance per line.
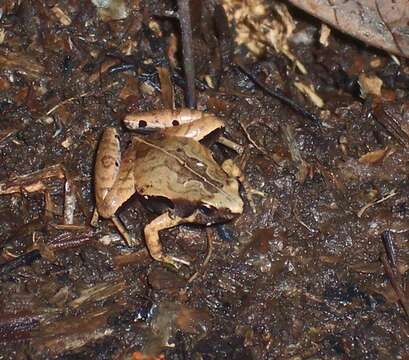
(7,134)
(391,194)
(187,48)
(208,256)
(389,247)
(279,95)
(395,284)
(257,146)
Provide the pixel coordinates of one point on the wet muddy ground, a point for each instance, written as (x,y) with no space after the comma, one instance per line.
(297,277)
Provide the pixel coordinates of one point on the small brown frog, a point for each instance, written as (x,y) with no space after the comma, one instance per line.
(172,172)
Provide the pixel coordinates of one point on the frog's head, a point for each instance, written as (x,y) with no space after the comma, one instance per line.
(182,123)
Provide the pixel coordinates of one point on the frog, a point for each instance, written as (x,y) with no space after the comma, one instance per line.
(173,173)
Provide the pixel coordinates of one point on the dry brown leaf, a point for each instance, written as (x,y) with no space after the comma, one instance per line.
(380,23)
(376,156)
(370,85)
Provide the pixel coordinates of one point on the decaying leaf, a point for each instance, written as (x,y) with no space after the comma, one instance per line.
(380,23)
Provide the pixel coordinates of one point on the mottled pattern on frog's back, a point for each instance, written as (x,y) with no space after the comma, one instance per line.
(181,168)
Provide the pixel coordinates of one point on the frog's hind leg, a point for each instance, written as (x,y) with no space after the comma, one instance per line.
(114,181)
(107,163)
(162,222)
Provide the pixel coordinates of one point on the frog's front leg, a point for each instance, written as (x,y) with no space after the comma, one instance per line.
(162,222)
(232,169)
(114,183)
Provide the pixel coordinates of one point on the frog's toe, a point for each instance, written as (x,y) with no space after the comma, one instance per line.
(251,193)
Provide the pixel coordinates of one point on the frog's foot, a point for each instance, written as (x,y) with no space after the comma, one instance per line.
(162,222)
(234,170)
(130,241)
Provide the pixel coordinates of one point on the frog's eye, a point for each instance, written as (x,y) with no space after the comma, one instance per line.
(175,123)
(142,123)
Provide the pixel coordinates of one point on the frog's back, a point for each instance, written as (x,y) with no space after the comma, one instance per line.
(176,168)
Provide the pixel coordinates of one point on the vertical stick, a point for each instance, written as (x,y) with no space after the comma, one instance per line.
(187,42)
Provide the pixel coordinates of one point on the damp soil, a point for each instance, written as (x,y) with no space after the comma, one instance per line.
(296,276)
